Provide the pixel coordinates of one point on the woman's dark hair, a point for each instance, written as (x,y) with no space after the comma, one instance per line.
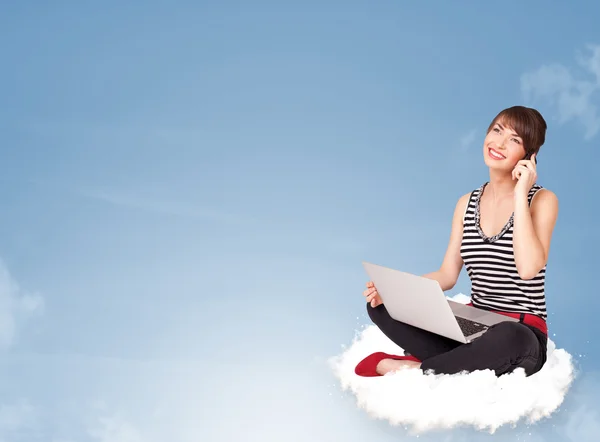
(528,123)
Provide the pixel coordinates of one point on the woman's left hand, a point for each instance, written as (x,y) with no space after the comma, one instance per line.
(525,171)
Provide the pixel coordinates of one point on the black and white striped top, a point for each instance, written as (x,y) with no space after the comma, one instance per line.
(490,264)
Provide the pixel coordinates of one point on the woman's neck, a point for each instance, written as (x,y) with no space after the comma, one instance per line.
(501,186)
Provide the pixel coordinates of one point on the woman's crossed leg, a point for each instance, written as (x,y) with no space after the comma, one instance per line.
(503,348)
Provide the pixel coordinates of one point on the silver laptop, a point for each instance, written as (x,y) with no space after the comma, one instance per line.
(420,302)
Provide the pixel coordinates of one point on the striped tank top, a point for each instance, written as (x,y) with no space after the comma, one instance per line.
(490,264)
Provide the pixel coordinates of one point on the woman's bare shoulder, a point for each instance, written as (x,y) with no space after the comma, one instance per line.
(544,199)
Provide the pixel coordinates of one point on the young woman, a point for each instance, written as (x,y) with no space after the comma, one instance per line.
(501,232)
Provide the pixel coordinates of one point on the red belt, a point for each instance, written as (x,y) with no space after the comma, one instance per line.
(525,318)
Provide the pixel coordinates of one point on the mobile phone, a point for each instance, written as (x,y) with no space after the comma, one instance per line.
(528,157)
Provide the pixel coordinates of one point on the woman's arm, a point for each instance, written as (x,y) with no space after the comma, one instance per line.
(449,271)
(532,231)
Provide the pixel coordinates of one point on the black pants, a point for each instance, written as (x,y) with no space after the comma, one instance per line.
(503,348)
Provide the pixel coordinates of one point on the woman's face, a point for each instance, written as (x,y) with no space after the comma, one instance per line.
(502,148)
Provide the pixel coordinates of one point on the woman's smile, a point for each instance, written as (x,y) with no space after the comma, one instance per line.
(495,155)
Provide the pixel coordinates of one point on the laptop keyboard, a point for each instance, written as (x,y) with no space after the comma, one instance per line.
(469,327)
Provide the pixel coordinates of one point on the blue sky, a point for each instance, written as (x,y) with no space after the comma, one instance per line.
(189,190)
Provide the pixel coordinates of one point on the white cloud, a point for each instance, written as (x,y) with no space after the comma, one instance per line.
(424,402)
(467,140)
(15,306)
(574,97)
(115,429)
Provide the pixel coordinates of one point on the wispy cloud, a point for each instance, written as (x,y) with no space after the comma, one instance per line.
(467,141)
(15,306)
(16,418)
(583,416)
(172,208)
(574,97)
(583,425)
(115,429)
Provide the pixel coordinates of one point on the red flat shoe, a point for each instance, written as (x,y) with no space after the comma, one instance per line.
(367,367)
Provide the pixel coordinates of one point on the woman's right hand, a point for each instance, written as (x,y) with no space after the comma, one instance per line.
(372,295)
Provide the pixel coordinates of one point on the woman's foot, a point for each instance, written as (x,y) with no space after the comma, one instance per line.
(388,365)
(368,366)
